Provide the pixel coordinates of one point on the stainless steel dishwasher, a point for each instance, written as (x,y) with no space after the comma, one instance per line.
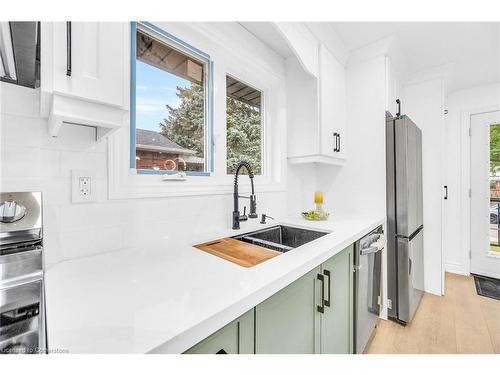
(367,275)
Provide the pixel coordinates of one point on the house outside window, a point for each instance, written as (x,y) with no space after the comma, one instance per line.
(157,152)
(173,105)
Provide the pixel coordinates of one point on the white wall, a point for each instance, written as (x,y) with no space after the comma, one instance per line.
(31,160)
(423,103)
(393,87)
(475,99)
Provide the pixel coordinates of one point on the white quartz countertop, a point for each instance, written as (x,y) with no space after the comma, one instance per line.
(166,298)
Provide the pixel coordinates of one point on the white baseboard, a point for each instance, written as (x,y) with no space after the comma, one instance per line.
(383,310)
(454,268)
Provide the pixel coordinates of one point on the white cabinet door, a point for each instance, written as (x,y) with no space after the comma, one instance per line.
(332,105)
(98,60)
(317,112)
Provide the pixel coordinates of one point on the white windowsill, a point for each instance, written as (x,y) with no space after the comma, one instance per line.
(125,183)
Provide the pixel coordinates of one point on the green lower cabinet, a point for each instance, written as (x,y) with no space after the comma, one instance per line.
(286,322)
(337,320)
(235,338)
(290,321)
(314,314)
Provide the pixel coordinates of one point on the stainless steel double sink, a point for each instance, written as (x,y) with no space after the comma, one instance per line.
(281,238)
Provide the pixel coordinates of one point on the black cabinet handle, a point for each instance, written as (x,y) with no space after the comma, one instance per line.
(68,49)
(445,191)
(398,102)
(321,308)
(327,273)
(336,147)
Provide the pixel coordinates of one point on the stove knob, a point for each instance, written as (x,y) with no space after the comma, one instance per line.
(11,211)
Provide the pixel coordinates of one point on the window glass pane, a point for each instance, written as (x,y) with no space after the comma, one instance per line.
(170,107)
(495,188)
(243,125)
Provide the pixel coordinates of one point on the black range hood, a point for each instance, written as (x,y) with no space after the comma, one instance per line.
(20,53)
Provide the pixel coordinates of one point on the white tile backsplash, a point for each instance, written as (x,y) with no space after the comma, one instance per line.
(91,161)
(76,243)
(31,160)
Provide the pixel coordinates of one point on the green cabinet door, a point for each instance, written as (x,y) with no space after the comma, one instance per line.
(337,320)
(287,322)
(235,338)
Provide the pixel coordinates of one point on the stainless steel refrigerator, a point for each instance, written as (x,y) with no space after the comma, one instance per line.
(405,230)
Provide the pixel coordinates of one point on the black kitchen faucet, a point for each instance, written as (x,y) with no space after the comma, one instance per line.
(253,202)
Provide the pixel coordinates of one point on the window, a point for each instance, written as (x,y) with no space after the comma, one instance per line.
(494,142)
(243,125)
(171,104)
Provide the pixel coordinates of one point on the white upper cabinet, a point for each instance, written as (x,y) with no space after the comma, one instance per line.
(84,67)
(97,64)
(317,111)
(332,94)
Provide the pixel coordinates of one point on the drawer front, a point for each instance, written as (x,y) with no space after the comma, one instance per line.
(21,295)
(21,319)
(19,264)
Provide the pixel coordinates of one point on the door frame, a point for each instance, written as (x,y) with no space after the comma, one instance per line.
(465,125)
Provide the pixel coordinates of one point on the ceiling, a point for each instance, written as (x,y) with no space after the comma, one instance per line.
(473,48)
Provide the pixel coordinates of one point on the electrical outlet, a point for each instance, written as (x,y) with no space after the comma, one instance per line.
(82,189)
(84,186)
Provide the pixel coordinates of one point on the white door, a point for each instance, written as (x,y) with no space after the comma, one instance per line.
(485,227)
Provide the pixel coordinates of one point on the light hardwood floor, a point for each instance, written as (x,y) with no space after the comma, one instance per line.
(459,322)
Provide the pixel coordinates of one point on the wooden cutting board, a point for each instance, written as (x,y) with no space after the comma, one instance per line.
(239,252)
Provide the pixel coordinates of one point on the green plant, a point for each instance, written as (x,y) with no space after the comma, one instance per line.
(185,126)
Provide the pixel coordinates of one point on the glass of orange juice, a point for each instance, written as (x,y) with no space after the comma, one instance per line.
(318,200)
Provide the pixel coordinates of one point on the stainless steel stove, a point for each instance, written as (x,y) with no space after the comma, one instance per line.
(22,311)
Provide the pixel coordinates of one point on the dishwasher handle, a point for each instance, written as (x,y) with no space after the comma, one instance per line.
(370,250)
(373,246)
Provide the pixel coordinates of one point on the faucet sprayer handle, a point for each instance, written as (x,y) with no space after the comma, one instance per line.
(253,207)
(244,217)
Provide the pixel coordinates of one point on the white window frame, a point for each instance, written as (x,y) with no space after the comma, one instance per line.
(208,126)
(268,75)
